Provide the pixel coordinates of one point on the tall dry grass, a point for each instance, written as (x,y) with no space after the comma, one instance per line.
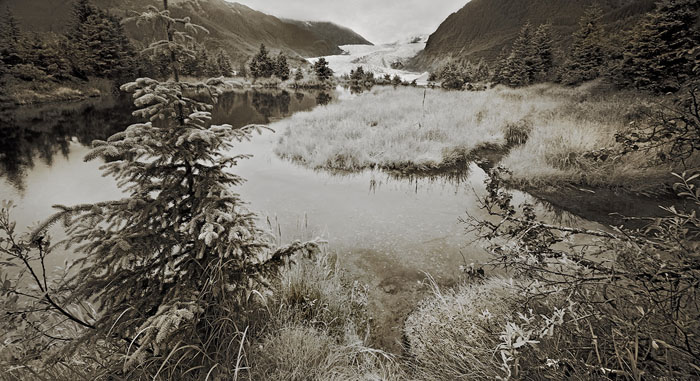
(390,128)
(453,334)
(317,330)
(550,129)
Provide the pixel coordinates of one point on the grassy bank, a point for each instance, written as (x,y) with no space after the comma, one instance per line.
(549,134)
(37,92)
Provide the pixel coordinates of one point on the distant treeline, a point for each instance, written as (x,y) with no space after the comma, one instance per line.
(657,55)
(95,45)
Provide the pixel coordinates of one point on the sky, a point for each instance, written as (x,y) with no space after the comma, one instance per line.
(379,21)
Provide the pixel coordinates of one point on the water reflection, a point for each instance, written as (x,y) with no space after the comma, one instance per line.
(29,136)
(33,135)
(323,98)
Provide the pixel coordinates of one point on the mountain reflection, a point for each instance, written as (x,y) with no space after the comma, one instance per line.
(32,135)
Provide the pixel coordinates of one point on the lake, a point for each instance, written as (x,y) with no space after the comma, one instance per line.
(388,231)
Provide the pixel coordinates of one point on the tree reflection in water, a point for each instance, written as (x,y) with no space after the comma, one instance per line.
(32,135)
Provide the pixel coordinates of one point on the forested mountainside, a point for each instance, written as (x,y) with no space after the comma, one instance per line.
(234,27)
(482,28)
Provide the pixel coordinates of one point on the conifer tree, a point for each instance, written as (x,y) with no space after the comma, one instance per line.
(298,75)
(224,64)
(587,57)
(656,57)
(200,62)
(281,67)
(543,51)
(481,71)
(10,39)
(323,72)
(212,68)
(190,62)
(500,66)
(100,45)
(178,259)
(519,67)
(82,10)
(453,75)
(261,66)
(9,28)
(243,70)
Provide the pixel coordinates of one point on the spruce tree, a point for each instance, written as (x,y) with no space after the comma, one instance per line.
(520,66)
(481,71)
(499,69)
(656,57)
(261,66)
(9,28)
(587,56)
(323,72)
(298,75)
(243,70)
(224,64)
(100,45)
(201,61)
(544,57)
(173,265)
(281,67)
(212,68)
(11,49)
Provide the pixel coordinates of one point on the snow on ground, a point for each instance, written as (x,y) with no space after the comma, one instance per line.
(378,58)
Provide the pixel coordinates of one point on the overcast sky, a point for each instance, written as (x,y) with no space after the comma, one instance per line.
(379,21)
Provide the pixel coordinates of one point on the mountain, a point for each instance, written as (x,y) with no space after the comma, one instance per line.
(483,27)
(233,27)
(334,34)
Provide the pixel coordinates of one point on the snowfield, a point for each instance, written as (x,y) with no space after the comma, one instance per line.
(379,58)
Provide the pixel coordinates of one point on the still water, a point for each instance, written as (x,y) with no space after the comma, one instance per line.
(388,231)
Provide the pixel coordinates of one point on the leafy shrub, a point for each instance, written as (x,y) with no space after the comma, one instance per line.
(624,304)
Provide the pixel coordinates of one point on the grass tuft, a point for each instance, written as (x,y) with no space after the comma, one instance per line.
(452,335)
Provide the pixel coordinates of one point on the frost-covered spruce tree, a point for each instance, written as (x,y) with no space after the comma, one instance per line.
(173,265)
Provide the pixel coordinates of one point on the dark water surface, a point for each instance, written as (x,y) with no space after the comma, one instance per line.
(388,231)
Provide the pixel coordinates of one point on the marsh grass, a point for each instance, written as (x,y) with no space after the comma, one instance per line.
(317,329)
(452,334)
(548,132)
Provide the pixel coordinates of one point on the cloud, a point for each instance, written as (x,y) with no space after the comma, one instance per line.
(377,20)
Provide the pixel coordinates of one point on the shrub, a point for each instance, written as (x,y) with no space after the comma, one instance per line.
(624,303)
(28,72)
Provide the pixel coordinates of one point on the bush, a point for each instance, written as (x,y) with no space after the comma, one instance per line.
(28,72)
(598,304)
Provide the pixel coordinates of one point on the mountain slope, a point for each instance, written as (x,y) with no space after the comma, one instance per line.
(334,34)
(233,27)
(483,27)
